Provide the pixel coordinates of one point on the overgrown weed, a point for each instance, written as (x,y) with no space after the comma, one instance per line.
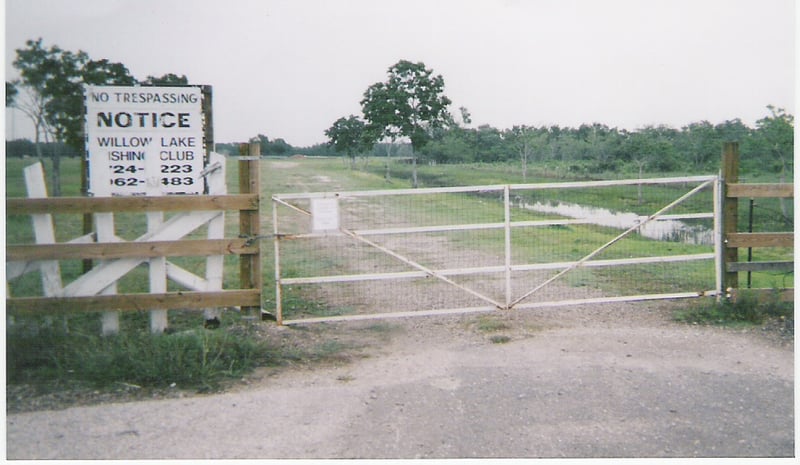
(488,324)
(49,357)
(747,309)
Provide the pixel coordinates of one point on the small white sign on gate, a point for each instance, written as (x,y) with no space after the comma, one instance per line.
(324,215)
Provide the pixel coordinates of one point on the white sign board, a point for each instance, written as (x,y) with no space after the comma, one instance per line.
(144,140)
(324,215)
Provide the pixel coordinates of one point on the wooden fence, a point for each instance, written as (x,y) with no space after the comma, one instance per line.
(733,239)
(95,290)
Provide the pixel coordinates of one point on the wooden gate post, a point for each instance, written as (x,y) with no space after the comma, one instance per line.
(250,224)
(730,213)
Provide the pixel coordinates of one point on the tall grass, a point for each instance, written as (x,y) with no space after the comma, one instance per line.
(52,354)
(746,310)
(47,349)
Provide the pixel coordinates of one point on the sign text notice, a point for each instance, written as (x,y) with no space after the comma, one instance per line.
(144,140)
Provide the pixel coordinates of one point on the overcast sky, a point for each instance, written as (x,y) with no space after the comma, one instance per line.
(290,68)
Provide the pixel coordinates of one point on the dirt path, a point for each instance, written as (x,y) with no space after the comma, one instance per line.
(605,381)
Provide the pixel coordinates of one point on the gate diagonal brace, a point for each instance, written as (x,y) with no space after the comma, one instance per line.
(611,242)
(422,268)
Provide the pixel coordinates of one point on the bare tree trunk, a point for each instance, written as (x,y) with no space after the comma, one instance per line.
(414,182)
(525,169)
(37,143)
(388,158)
(524,156)
(640,198)
(55,175)
(781,200)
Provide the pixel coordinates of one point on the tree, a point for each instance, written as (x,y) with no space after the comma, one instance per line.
(19,147)
(411,103)
(166,80)
(733,130)
(51,94)
(449,146)
(600,145)
(700,143)
(279,147)
(651,148)
(39,69)
(378,107)
(11,93)
(31,103)
(349,136)
(776,139)
(526,140)
(488,144)
(466,117)
(270,147)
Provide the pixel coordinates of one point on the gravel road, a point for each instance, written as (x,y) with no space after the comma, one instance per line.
(602,381)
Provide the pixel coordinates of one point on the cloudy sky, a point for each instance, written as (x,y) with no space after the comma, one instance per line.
(289,68)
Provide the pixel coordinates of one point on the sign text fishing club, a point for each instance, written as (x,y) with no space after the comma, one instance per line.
(144,140)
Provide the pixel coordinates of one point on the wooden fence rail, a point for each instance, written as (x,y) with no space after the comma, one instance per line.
(20,206)
(733,240)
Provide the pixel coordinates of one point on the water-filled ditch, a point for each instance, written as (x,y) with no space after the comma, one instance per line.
(659,229)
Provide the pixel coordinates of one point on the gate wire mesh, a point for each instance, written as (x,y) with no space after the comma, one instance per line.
(379,263)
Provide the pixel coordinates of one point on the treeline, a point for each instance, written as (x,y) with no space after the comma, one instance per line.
(589,148)
(277,147)
(27,148)
(767,147)
(600,148)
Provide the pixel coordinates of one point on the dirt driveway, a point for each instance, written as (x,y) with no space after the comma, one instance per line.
(601,381)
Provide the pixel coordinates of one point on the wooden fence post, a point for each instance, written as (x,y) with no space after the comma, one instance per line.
(43,229)
(730,213)
(250,224)
(158,276)
(88,218)
(105,233)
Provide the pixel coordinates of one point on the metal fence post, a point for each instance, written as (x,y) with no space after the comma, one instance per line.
(507,215)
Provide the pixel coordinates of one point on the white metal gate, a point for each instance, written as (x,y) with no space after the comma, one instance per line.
(508,260)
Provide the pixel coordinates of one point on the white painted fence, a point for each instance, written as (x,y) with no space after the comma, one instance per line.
(102,278)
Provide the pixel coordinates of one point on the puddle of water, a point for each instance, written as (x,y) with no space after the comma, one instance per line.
(664,230)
